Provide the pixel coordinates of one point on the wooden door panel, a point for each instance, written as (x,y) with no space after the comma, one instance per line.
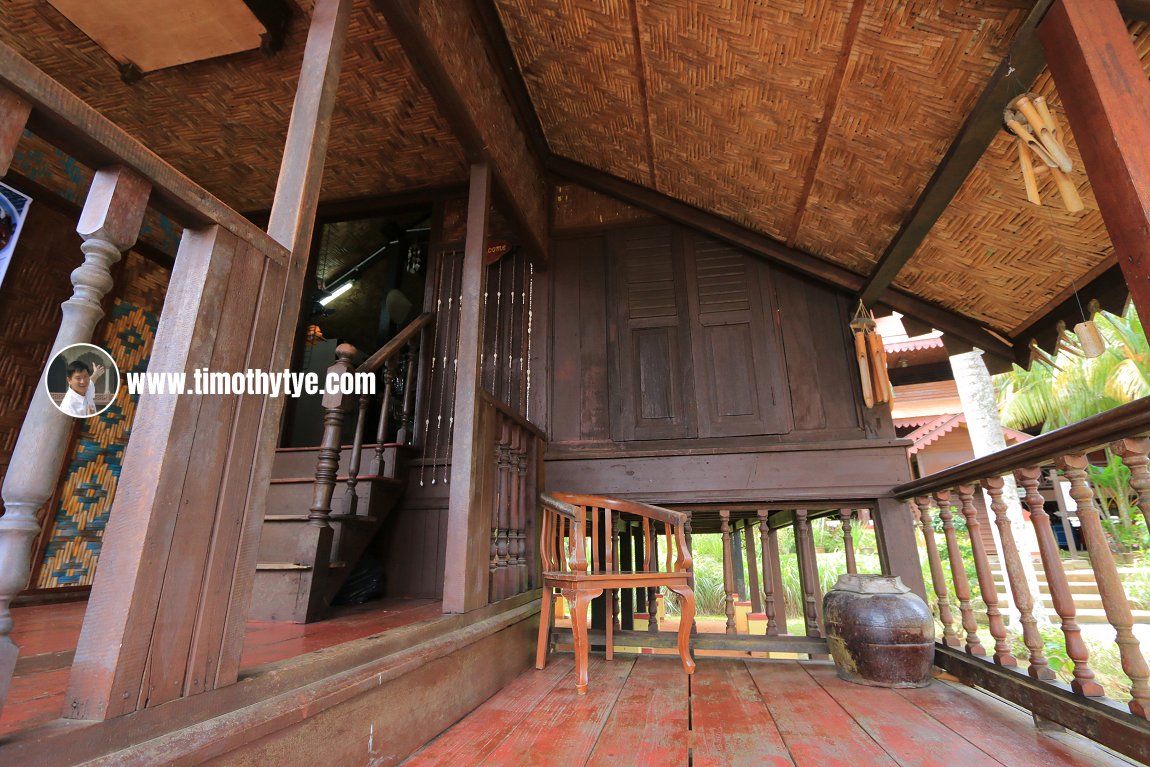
(739,372)
(650,373)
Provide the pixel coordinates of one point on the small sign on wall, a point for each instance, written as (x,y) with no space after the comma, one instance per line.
(13,211)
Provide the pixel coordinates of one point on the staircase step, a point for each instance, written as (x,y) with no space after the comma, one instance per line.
(300,461)
(281,566)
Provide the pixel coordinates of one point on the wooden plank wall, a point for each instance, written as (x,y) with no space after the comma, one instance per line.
(786,337)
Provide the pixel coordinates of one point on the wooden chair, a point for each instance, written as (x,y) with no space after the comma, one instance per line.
(572,524)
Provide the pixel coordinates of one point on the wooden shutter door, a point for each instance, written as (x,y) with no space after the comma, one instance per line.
(740,373)
(651,392)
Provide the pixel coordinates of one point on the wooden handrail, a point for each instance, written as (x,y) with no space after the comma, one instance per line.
(1128,420)
(402,339)
(63,119)
(511,414)
(629,507)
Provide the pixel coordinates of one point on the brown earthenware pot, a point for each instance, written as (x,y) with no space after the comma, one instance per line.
(879,632)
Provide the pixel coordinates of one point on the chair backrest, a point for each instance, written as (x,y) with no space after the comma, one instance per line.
(573,525)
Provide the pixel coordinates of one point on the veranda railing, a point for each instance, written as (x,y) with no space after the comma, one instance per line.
(1081,705)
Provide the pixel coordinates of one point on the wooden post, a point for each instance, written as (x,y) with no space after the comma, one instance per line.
(737,560)
(172,593)
(14,113)
(1133,453)
(752,570)
(986,585)
(1106,96)
(777,599)
(936,573)
(627,564)
(1114,600)
(109,225)
(728,570)
(407,424)
(808,572)
(897,547)
(1023,599)
(958,574)
(468,514)
(1060,594)
(768,572)
(640,563)
(848,540)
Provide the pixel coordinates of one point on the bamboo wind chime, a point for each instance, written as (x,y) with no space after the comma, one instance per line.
(871,357)
(1029,118)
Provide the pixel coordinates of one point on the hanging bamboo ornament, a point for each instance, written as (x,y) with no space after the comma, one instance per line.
(1029,118)
(1089,337)
(871,358)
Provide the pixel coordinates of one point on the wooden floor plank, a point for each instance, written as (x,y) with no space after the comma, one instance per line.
(731,725)
(649,723)
(817,731)
(1002,729)
(473,738)
(563,729)
(904,731)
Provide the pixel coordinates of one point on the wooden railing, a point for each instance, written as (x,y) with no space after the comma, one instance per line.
(510,474)
(1122,431)
(404,347)
(230,305)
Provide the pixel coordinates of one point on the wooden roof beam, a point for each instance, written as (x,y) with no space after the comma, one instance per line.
(1023,62)
(985,120)
(775,251)
(454,60)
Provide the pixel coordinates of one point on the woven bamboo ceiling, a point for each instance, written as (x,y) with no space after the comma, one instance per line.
(222,122)
(816,122)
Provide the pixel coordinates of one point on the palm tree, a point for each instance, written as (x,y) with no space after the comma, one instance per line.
(1078,388)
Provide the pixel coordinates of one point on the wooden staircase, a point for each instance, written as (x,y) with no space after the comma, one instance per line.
(1084,588)
(327,503)
(296,578)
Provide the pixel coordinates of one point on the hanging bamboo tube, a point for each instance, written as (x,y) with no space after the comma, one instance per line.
(864,366)
(1028,177)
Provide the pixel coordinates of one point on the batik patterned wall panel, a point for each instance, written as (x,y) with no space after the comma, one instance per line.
(93,472)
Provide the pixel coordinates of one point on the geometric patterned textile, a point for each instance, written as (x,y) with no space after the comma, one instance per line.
(94,470)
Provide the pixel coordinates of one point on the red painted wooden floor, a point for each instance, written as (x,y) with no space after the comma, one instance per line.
(645,711)
(47,635)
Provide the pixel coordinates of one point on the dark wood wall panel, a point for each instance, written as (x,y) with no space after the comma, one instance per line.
(660,334)
(823,381)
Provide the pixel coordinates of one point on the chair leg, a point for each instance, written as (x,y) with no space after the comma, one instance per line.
(610,648)
(686,618)
(544,644)
(579,601)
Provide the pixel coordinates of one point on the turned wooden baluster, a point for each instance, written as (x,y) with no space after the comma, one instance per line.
(615,561)
(752,569)
(1133,453)
(523,503)
(1114,600)
(407,423)
(768,573)
(945,616)
(1023,599)
(1060,594)
(777,598)
(958,574)
(350,496)
(335,406)
(728,571)
(986,585)
(653,566)
(109,224)
(848,540)
(384,415)
(691,580)
(640,564)
(808,572)
(503,507)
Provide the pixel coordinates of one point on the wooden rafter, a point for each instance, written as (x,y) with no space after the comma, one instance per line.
(1023,62)
(458,72)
